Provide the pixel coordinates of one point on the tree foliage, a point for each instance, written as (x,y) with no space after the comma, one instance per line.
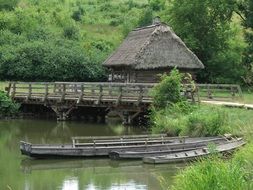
(8,5)
(205,26)
(168,91)
(146,18)
(211,28)
(245,10)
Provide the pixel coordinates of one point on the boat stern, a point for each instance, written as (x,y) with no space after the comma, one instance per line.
(25,148)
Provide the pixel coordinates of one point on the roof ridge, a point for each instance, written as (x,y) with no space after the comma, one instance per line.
(146,27)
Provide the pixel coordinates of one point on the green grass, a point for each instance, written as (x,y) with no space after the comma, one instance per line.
(3,85)
(214,173)
(248,97)
(203,120)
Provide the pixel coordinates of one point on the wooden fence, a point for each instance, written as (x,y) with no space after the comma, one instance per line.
(225,92)
(113,92)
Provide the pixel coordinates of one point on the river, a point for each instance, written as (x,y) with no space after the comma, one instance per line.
(18,172)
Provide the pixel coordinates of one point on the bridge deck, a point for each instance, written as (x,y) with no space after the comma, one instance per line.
(63,97)
(81,93)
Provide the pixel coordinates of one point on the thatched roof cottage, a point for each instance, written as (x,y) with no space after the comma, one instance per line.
(148,52)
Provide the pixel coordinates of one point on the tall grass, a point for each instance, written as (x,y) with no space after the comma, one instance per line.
(213,174)
(216,174)
(185,119)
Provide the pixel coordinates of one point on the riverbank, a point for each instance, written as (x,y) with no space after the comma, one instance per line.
(215,173)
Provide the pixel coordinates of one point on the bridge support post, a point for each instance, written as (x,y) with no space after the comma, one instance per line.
(128,116)
(62,113)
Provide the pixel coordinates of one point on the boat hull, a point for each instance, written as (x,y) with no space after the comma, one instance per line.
(193,154)
(68,150)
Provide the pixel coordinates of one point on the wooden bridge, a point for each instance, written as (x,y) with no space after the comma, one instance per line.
(128,100)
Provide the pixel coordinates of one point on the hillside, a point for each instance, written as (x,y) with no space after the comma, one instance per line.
(48,40)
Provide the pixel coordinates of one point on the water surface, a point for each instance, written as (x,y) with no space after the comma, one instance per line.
(18,172)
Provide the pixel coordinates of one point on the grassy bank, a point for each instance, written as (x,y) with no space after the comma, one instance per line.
(213,173)
(204,120)
(177,117)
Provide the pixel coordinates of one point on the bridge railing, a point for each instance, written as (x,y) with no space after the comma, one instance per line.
(219,92)
(97,91)
(81,91)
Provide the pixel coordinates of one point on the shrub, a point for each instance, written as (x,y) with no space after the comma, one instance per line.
(206,121)
(7,107)
(171,120)
(157,5)
(8,5)
(164,123)
(168,90)
(146,18)
(77,14)
(183,118)
(63,60)
(71,32)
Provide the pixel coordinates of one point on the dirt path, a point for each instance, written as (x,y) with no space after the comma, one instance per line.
(228,104)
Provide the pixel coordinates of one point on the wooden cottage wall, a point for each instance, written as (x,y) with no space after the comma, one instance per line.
(141,76)
(149,76)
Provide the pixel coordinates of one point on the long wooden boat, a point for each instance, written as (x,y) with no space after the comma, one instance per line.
(102,147)
(193,154)
(117,155)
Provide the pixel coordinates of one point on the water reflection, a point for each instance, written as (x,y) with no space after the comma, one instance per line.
(22,173)
(71,183)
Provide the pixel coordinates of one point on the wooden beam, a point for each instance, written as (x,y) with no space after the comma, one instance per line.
(81,95)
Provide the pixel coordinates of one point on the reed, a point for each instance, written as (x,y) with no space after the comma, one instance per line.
(212,174)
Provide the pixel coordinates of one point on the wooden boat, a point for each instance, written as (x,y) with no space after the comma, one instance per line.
(102,146)
(193,154)
(116,155)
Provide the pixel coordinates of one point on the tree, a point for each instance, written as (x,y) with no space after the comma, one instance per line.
(157,5)
(8,4)
(245,10)
(204,25)
(146,18)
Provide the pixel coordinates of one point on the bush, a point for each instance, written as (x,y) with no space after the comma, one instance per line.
(7,107)
(71,32)
(168,90)
(8,5)
(157,5)
(206,121)
(184,118)
(146,18)
(60,60)
(171,120)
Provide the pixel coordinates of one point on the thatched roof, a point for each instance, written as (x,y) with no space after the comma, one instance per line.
(152,47)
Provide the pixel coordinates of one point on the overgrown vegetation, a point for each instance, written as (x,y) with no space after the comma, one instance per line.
(186,119)
(174,115)
(182,118)
(168,91)
(7,107)
(59,34)
(215,174)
